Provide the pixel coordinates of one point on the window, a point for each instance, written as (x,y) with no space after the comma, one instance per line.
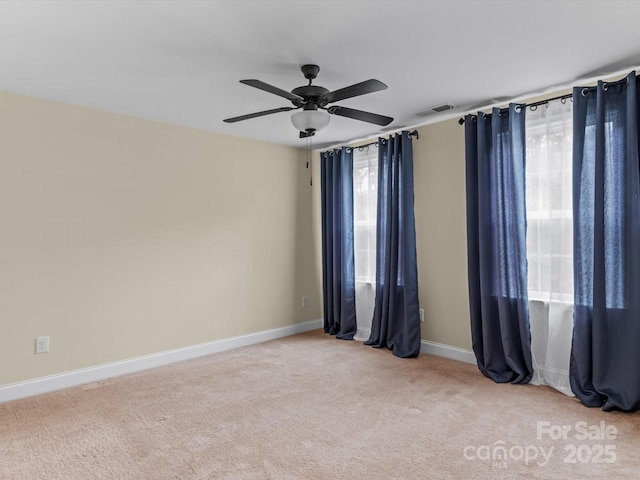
(549,202)
(365,198)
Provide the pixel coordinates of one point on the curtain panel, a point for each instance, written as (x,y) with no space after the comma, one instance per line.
(338,273)
(605,355)
(365,201)
(549,130)
(396,317)
(496,248)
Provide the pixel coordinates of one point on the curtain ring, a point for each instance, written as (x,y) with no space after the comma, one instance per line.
(605,86)
(516,109)
(585,92)
(533,108)
(563,100)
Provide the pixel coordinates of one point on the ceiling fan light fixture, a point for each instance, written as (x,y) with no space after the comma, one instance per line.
(310,120)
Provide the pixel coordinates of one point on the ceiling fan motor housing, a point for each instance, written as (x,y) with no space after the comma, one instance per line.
(312,94)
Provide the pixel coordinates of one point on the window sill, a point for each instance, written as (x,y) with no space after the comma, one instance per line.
(548,302)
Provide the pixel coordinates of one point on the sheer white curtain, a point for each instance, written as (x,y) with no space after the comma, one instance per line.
(365,199)
(550,241)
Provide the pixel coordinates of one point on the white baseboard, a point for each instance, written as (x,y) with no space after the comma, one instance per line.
(83,376)
(430,348)
(447,351)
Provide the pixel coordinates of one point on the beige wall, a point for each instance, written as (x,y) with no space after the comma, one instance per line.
(123,237)
(441,233)
(440,210)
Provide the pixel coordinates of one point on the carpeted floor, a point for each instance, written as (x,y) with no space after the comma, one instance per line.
(312,407)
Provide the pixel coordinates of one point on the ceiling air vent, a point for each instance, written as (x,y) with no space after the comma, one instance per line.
(435,109)
(442,108)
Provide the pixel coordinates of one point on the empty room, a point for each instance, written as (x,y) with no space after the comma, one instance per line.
(317,239)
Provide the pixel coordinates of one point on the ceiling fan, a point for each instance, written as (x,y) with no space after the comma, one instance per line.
(313,101)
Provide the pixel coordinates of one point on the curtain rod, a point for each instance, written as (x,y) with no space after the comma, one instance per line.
(534,105)
(411,134)
(562,98)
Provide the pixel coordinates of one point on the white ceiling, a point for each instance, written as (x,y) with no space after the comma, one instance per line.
(180,61)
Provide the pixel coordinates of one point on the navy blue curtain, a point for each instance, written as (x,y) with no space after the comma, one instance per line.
(605,355)
(338,272)
(396,316)
(496,248)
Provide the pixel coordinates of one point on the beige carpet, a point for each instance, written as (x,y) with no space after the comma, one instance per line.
(312,407)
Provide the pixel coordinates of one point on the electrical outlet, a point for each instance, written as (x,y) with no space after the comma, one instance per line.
(42,344)
(305,301)
(422,314)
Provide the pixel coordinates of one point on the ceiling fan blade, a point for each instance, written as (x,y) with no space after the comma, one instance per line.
(362,88)
(360,115)
(271,89)
(257,114)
